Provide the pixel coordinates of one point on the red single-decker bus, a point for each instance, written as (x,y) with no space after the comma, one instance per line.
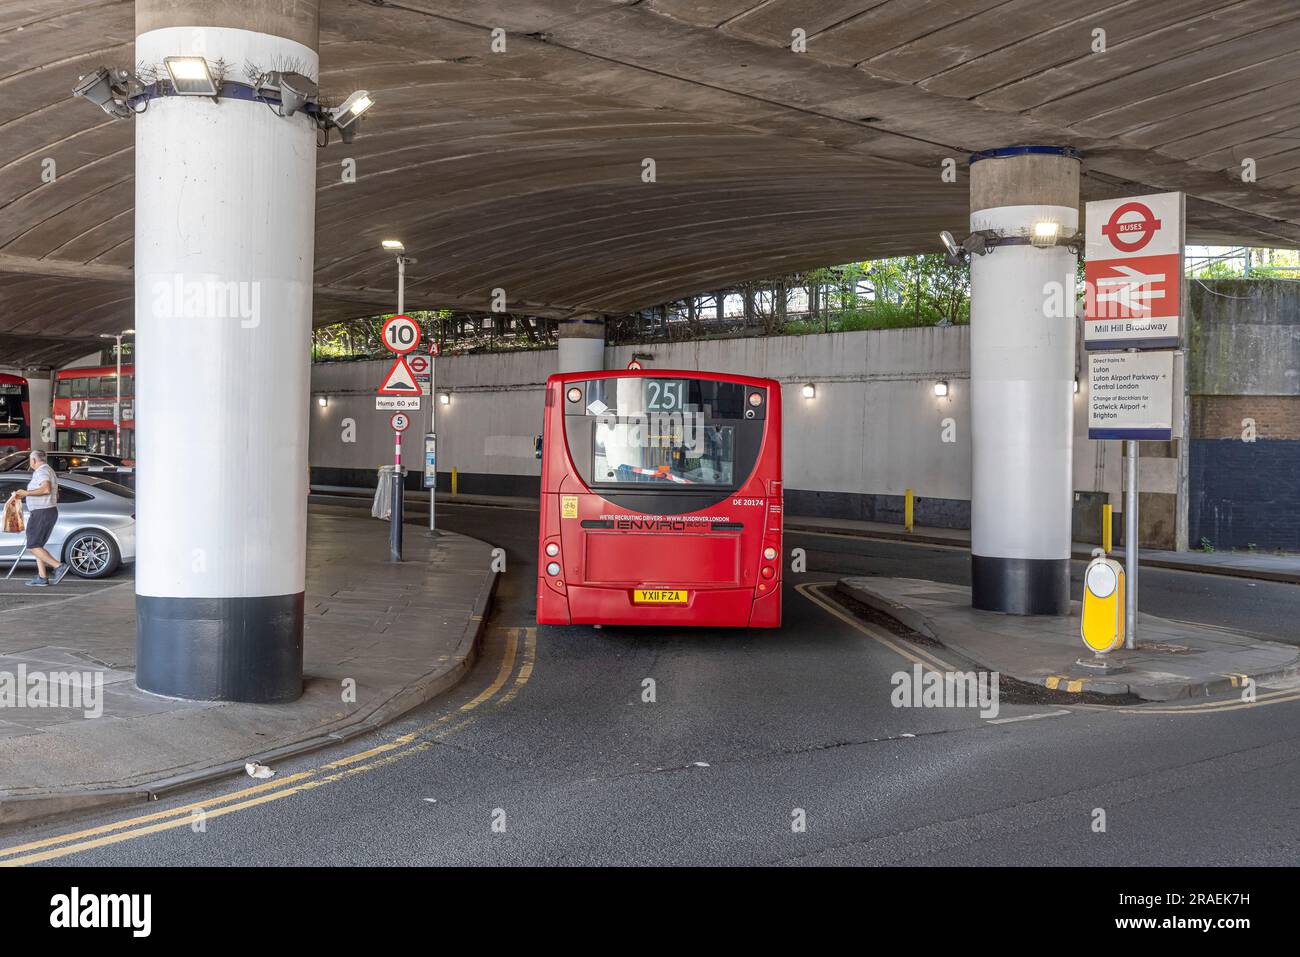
(661,500)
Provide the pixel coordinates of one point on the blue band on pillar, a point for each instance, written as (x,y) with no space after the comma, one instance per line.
(1020,586)
(1005,151)
(220,649)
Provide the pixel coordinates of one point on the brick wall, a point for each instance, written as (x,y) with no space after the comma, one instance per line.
(1222,416)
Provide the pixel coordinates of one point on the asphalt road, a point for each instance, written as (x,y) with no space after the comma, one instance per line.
(549,754)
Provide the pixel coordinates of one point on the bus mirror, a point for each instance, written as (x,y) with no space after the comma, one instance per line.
(537,445)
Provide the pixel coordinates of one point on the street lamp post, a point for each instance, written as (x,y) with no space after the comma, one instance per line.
(117,402)
(403,260)
(395,532)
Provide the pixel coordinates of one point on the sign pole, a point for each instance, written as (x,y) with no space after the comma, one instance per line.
(1131,546)
(433,433)
(395,532)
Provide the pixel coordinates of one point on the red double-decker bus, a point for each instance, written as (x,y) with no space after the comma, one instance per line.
(84,400)
(661,500)
(15,414)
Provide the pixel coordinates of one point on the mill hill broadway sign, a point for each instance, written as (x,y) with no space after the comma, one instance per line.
(1134,273)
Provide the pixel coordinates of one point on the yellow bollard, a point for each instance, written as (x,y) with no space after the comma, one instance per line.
(454,476)
(907,510)
(1106,525)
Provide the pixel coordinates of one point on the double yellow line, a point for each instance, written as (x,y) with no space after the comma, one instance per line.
(413,742)
(814,593)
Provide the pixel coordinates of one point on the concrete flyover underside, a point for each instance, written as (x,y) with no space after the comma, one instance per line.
(522,170)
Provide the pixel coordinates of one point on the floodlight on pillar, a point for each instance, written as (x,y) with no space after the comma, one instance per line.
(107,89)
(956,255)
(346,116)
(190,76)
(393,245)
(1045,233)
(294,89)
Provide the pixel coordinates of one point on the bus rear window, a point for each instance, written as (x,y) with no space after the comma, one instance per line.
(672,450)
(672,434)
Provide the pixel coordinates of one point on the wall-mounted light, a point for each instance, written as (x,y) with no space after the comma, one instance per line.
(444,398)
(322,401)
(190,75)
(810,391)
(1076,386)
(941,387)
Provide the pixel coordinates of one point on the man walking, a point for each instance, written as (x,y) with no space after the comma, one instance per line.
(42,497)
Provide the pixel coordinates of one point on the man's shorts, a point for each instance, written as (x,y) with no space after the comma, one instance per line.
(40,525)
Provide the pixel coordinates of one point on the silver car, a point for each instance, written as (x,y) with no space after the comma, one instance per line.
(95,533)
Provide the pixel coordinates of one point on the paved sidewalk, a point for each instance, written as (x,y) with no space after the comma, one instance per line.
(1172,659)
(403,633)
(1265,566)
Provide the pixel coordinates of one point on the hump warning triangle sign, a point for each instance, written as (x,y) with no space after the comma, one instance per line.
(400,380)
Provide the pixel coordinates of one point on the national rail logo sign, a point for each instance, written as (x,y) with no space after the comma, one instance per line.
(1134,273)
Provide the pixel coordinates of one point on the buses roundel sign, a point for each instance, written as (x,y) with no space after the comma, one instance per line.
(401,334)
(1130,234)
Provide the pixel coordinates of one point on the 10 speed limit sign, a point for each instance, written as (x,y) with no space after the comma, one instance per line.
(401,334)
(399,421)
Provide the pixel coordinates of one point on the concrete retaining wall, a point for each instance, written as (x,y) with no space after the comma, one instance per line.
(1244,378)
(875,428)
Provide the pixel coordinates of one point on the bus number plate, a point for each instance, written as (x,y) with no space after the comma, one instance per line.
(660,596)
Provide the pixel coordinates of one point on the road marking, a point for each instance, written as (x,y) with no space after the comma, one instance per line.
(1029,717)
(297,783)
(1072,685)
(812,591)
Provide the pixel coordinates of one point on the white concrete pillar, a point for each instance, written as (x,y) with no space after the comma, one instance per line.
(224,232)
(1022,381)
(581,344)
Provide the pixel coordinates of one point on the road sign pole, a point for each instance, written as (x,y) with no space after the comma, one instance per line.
(1131,546)
(433,430)
(395,532)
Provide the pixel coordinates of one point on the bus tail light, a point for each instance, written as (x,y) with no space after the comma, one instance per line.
(769,553)
(552,549)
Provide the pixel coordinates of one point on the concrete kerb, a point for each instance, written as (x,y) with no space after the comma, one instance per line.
(24,808)
(1072,680)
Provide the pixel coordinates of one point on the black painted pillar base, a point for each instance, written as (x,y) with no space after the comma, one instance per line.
(1020,586)
(220,649)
